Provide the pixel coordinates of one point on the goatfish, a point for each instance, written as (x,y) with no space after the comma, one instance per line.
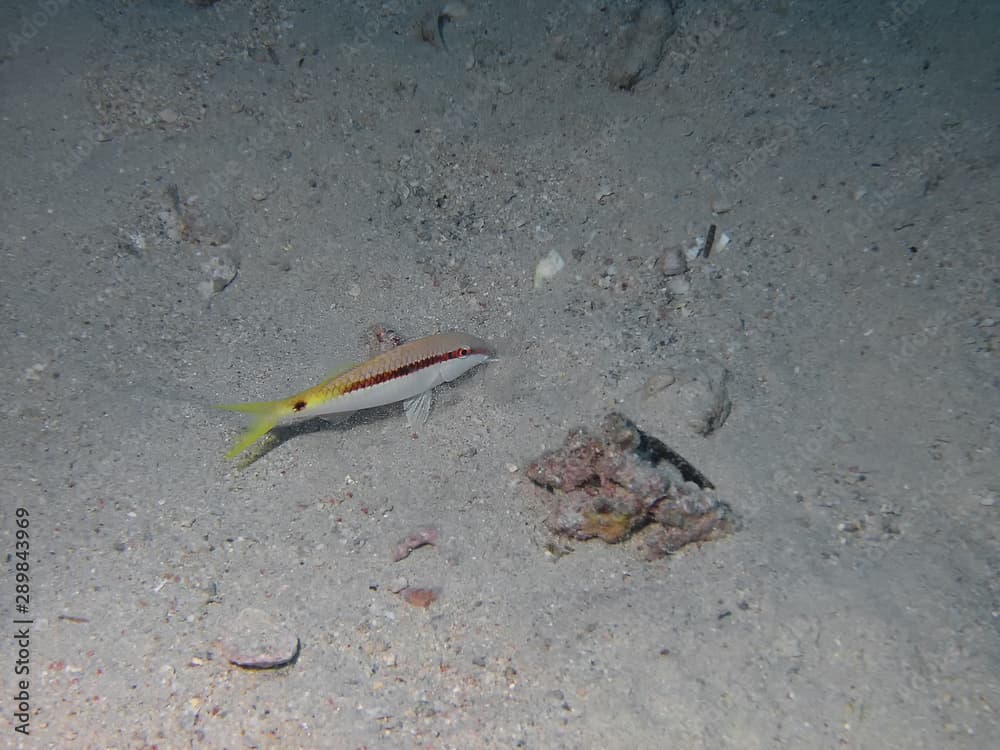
(405,373)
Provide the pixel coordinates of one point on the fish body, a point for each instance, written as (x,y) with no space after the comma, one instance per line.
(405,373)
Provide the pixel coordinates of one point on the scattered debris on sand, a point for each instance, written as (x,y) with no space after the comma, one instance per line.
(380,338)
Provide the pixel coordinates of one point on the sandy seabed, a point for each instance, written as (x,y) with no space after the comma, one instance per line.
(215,204)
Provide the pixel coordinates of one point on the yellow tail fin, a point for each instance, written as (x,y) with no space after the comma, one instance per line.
(267,414)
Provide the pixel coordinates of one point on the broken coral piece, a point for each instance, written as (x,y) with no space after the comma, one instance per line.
(614,482)
(415,540)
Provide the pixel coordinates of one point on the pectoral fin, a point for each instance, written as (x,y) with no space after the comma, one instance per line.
(417,409)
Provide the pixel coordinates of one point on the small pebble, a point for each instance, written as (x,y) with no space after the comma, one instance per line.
(419,597)
(34,373)
(221,272)
(548,267)
(678,285)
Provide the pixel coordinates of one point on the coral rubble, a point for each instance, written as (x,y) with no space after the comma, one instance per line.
(617,481)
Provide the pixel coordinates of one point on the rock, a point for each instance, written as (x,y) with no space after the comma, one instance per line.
(642,44)
(616,481)
(697,399)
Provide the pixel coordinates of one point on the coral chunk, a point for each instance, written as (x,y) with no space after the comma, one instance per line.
(617,481)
